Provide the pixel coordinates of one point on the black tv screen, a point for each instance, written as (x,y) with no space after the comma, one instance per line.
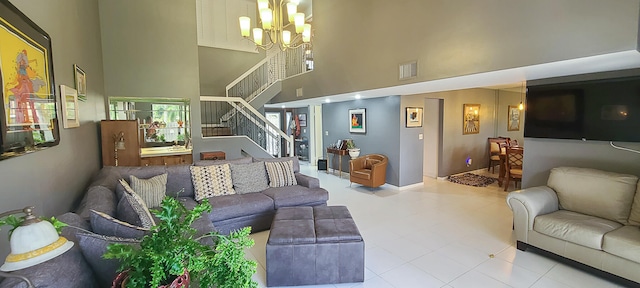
(604,110)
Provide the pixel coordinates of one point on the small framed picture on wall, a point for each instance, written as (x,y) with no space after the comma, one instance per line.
(513,118)
(471,119)
(413,117)
(357,120)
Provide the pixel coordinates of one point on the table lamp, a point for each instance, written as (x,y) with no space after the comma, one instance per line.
(33,242)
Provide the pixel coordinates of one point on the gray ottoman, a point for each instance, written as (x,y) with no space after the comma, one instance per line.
(314,245)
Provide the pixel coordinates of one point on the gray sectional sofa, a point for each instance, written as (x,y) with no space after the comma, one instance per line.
(230,212)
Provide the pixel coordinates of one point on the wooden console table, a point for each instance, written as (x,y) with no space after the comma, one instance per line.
(340,153)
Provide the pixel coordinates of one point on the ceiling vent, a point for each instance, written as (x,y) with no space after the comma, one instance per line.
(408,70)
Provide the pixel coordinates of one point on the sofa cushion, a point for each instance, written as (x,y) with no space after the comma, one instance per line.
(93,246)
(580,189)
(362,174)
(634,216)
(138,205)
(574,227)
(296,196)
(623,242)
(151,190)
(99,198)
(249,178)
(69,270)
(232,206)
(211,181)
(179,181)
(104,224)
(244,160)
(294,160)
(281,173)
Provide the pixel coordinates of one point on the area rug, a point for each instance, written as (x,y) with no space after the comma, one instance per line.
(472,180)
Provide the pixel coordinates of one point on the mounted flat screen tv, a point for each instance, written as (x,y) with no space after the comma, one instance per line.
(603,110)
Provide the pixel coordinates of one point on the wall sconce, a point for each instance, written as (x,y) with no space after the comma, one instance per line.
(33,242)
(118,144)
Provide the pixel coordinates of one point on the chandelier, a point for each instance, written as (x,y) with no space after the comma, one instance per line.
(292,35)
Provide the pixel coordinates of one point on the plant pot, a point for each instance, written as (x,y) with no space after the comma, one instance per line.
(354,153)
(181,281)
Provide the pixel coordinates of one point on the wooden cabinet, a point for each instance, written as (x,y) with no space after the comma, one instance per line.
(167,160)
(113,130)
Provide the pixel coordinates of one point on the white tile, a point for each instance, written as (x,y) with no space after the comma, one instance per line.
(545,282)
(477,280)
(379,260)
(577,278)
(508,273)
(375,282)
(463,254)
(527,259)
(409,276)
(404,248)
(440,266)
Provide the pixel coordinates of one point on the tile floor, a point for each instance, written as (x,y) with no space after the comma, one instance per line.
(438,235)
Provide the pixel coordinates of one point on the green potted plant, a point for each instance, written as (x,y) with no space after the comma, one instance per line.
(354,151)
(172,250)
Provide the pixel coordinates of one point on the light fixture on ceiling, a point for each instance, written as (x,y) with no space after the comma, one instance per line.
(327,100)
(358,96)
(522,91)
(293,34)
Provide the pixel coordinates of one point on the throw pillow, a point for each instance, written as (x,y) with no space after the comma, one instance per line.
(138,205)
(151,190)
(93,246)
(104,224)
(281,174)
(249,178)
(368,163)
(210,181)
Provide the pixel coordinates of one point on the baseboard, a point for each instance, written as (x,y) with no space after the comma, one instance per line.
(400,188)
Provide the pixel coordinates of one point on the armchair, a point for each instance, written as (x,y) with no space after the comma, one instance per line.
(369,170)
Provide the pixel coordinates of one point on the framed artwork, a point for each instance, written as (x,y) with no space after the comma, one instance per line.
(413,117)
(81,83)
(28,118)
(302,118)
(70,113)
(471,119)
(357,120)
(513,118)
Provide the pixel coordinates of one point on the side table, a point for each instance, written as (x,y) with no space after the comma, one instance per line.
(339,153)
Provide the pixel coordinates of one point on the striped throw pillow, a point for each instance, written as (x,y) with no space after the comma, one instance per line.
(151,190)
(210,181)
(281,173)
(138,205)
(104,224)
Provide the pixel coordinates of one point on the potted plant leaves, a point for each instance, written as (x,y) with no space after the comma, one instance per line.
(354,151)
(172,251)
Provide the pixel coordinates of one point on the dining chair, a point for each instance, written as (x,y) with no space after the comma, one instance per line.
(514,160)
(495,145)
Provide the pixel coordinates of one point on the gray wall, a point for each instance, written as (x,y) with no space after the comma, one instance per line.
(53,180)
(541,155)
(456,146)
(382,137)
(411,147)
(218,67)
(150,50)
(454,38)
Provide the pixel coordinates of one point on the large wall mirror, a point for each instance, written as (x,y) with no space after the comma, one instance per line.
(162,121)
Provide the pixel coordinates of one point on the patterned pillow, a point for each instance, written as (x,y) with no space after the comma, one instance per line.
(104,224)
(249,178)
(281,174)
(151,190)
(210,181)
(146,221)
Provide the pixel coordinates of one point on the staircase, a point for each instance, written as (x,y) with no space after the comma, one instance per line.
(237,114)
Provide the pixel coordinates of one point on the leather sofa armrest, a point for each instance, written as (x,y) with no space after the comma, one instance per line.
(528,203)
(307,181)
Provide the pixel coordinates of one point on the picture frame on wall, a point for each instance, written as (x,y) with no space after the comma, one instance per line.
(413,117)
(29,117)
(513,118)
(302,118)
(70,113)
(358,120)
(471,119)
(81,82)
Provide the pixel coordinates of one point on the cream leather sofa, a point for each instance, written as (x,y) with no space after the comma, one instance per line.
(587,215)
